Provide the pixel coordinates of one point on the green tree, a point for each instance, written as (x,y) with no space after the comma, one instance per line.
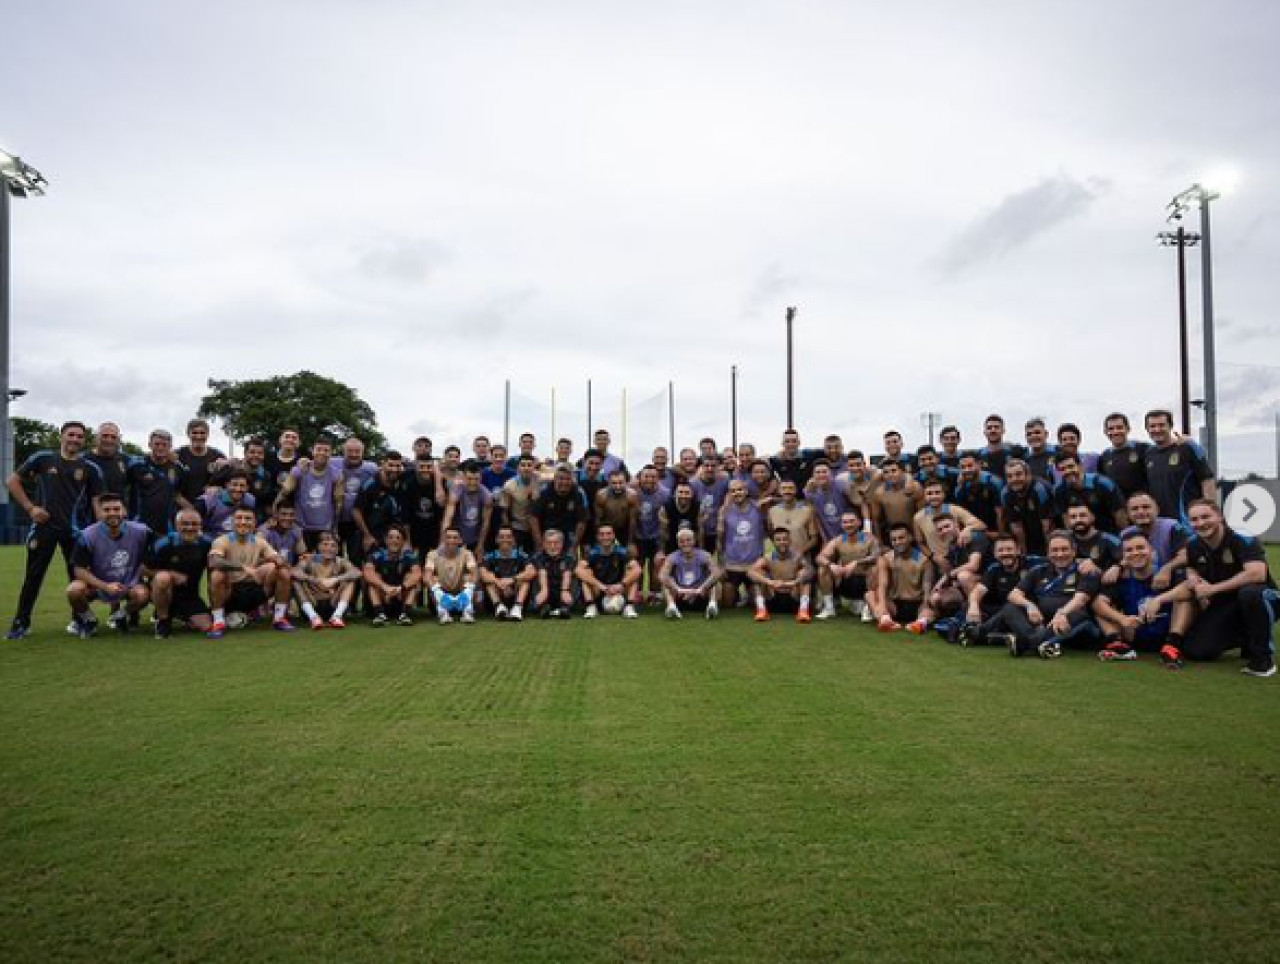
(311,403)
(30,435)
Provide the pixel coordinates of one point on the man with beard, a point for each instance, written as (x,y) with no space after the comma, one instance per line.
(740,538)
(1026,504)
(1134,615)
(689,578)
(1178,471)
(1096,491)
(155,484)
(783,579)
(844,567)
(609,577)
(1125,462)
(108,561)
(1049,608)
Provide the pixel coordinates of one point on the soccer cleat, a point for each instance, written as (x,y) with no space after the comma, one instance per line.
(672,612)
(1171,657)
(828,611)
(713,610)
(1008,641)
(468,616)
(1117,651)
(119,621)
(629,612)
(866,615)
(336,622)
(378,621)
(164,628)
(762,615)
(517,613)
(887,625)
(445,618)
(857,608)
(317,624)
(565,613)
(282,625)
(918,627)
(404,619)
(1260,666)
(500,612)
(216,631)
(591,613)
(803,616)
(18,630)
(1049,649)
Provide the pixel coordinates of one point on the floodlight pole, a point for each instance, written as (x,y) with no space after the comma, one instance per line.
(6,426)
(1210,352)
(733,406)
(1182,239)
(791,411)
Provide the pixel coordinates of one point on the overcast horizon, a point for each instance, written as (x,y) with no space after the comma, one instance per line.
(426,201)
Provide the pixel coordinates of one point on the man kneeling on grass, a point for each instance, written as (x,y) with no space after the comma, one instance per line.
(1133,615)
(107,561)
(783,580)
(324,583)
(392,577)
(450,574)
(904,582)
(610,578)
(689,578)
(1049,609)
(176,565)
(244,572)
(506,576)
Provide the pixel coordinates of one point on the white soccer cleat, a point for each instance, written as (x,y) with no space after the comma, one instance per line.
(591,613)
(445,618)
(517,613)
(828,611)
(673,613)
(500,613)
(468,616)
(712,610)
(629,612)
(866,615)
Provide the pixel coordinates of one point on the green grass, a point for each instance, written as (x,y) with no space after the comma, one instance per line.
(619,792)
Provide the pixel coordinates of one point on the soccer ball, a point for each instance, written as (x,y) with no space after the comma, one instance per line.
(613,604)
(237,620)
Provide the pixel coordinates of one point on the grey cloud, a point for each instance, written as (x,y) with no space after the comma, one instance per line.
(403,260)
(1243,332)
(1020,218)
(1250,395)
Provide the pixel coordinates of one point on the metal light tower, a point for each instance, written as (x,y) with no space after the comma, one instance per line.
(791,412)
(1182,239)
(17,179)
(1200,195)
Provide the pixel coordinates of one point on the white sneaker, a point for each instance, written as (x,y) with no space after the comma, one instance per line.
(712,610)
(629,612)
(73,628)
(500,612)
(828,611)
(468,615)
(517,613)
(673,613)
(445,618)
(591,612)
(866,616)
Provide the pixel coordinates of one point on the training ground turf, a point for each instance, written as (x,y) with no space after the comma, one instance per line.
(616,791)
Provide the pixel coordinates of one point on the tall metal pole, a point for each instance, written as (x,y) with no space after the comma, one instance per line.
(1184,351)
(506,418)
(6,425)
(1210,354)
(733,406)
(671,417)
(791,411)
(590,437)
(1278,445)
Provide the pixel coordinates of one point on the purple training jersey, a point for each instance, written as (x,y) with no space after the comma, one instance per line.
(689,572)
(314,499)
(469,512)
(218,511)
(710,497)
(651,503)
(743,534)
(828,505)
(353,480)
(114,560)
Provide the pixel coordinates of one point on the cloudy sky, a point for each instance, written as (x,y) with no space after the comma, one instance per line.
(427,199)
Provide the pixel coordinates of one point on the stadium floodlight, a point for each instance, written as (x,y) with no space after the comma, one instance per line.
(1200,195)
(20,180)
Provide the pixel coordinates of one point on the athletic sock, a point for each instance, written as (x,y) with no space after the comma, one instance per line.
(281,610)
(340,610)
(804,601)
(309,611)
(759,601)
(219,616)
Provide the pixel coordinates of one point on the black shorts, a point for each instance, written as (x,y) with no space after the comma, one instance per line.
(737,577)
(425,536)
(245,597)
(311,537)
(696,605)
(906,610)
(708,542)
(524,540)
(646,550)
(852,587)
(184,605)
(783,604)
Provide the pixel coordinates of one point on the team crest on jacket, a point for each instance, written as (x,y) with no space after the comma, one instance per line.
(1133,457)
(1227,557)
(1173,459)
(78,475)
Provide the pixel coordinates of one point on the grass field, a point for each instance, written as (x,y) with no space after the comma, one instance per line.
(626,792)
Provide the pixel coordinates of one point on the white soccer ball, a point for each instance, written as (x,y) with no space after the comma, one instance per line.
(613,604)
(237,620)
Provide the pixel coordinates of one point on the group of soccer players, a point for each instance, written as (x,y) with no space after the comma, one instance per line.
(1034,546)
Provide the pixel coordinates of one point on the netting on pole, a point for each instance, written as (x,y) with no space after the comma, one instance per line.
(637,421)
(646,427)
